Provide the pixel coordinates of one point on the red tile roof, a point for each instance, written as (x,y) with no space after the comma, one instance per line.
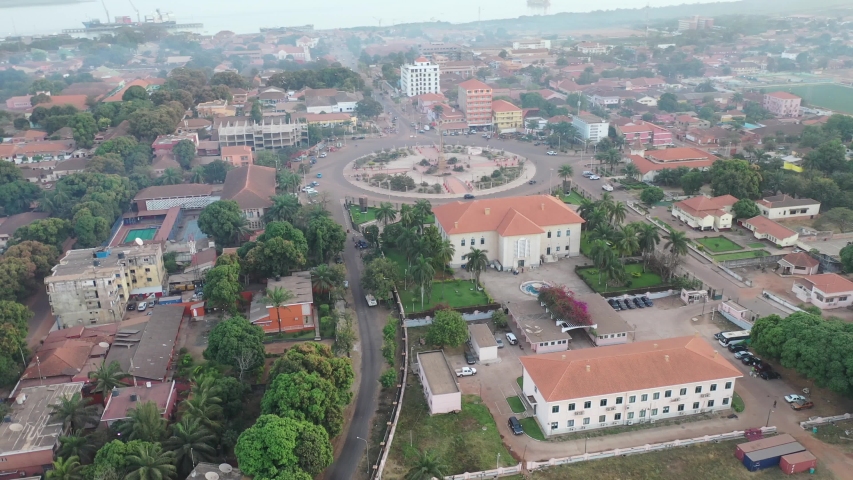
(474,84)
(77,101)
(645,166)
(678,154)
(801,259)
(250,186)
(783,95)
(702,205)
(504,106)
(830,283)
(765,226)
(509,215)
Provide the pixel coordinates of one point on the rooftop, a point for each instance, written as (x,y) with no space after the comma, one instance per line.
(678,154)
(801,259)
(236,151)
(783,95)
(299,284)
(538,324)
(121,400)
(474,84)
(223,471)
(590,372)
(588,118)
(644,165)
(830,283)
(75,262)
(764,225)
(31,428)
(701,205)
(509,215)
(149,346)
(250,186)
(11,224)
(439,375)
(504,106)
(603,315)
(780,201)
(482,335)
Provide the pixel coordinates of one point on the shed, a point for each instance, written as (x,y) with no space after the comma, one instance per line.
(797,462)
(483,342)
(755,445)
(769,457)
(439,383)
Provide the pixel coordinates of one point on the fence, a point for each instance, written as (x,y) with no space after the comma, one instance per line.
(780,301)
(495,473)
(815,421)
(642,449)
(470,314)
(750,262)
(736,276)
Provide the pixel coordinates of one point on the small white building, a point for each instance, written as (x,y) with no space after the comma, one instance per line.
(483,342)
(765,229)
(590,127)
(784,206)
(637,382)
(439,382)
(420,77)
(531,44)
(704,213)
(826,290)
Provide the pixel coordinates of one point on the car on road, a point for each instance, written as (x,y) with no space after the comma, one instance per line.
(499,342)
(510,337)
(314,184)
(802,405)
(536,144)
(742,353)
(319,175)
(551,153)
(587,173)
(594,177)
(346,283)
(468,196)
(323,155)
(737,348)
(515,426)
(794,398)
(769,375)
(469,358)
(607,188)
(532,182)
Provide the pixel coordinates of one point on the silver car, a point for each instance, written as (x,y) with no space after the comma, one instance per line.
(500,342)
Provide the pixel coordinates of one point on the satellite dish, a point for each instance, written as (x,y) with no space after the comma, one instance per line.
(225,468)
(211,476)
(138,241)
(16,427)
(104,345)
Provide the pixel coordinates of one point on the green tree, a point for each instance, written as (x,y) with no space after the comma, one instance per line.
(735,177)
(565,172)
(190,442)
(423,272)
(379,277)
(829,157)
(16,197)
(144,423)
(448,329)
(323,279)
(184,152)
(231,338)
(668,102)
(135,92)
(107,377)
(149,462)
(278,297)
(271,448)
(427,466)
(745,208)
(283,209)
(171,176)
(107,163)
(205,404)
(85,128)
(75,444)
(74,412)
(371,235)
(325,237)
(648,238)
(66,469)
(256,113)
(651,195)
(229,79)
(846,256)
(385,213)
(222,220)
(49,231)
(306,397)
(222,287)
(368,108)
(692,182)
(477,262)
(840,217)
(313,357)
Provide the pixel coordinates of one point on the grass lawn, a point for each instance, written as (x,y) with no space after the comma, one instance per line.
(830,433)
(531,428)
(645,280)
(828,95)
(718,244)
(456,293)
(706,460)
(515,404)
(520,382)
(572,198)
(466,442)
(741,255)
(358,218)
(755,245)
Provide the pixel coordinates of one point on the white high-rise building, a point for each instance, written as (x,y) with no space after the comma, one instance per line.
(419,78)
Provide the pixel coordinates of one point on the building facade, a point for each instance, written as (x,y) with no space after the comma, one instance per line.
(704,213)
(784,206)
(782,104)
(273,133)
(826,291)
(475,99)
(765,229)
(506,117)
(240,156)
(590,127)
(420,77)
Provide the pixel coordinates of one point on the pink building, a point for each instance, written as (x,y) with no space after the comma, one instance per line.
(120,401)
(646,133)
(475,99)
(782,104)
(239,156)
(167,142)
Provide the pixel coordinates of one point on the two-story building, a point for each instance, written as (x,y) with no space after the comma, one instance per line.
(252,187)
(646,133)
(826,290)
(506,117)
(638,382)
(296,315)
(516,231)
(238,156)
(704,213)
(784,206)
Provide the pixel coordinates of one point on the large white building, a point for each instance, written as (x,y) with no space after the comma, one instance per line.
(590,127)
(784,206)
(592,388)
(420,77)
(516,231)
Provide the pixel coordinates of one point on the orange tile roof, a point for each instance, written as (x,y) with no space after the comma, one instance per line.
(678,154)
(764,225)
(801,259)
(236,150)
(474,84)
(702,205)
(590,372)
(514,215)
(830,283)
(77,101)
(645,166)
(504,106)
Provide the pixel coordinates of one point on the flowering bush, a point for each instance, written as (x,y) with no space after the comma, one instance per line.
(563,304)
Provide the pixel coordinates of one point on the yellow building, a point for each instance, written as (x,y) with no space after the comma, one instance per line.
(327,119)
(506,117)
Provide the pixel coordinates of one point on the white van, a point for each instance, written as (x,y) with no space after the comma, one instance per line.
(141,307)
(371,300)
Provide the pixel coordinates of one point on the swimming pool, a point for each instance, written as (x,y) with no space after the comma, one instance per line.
(141,233)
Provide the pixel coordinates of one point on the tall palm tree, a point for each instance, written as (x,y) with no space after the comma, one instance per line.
(197,174)
(74,412)
(76,445)
(67,469)
(408,242)
(323,279)
(565,172)
(288,180)
(585,209)
(617,213)
(385,213)
(422,272)
(676,244)
(613,157)
(612,270)
(648,238)
(443,254)
(600,253)
(276,297)
(283,209)
(190,442)
(423,209)
(150,462)
(204,404)
(477,262)
(408,216)
(628,243)
(144,423)
(171,176)
(631,170)
(107,377)
(427,467)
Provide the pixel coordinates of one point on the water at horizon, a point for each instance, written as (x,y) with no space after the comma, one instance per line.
(249,17)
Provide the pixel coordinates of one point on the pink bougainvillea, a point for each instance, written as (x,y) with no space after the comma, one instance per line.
(562,302)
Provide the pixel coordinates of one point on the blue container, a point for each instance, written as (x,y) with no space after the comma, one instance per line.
(169,300)
(769,457)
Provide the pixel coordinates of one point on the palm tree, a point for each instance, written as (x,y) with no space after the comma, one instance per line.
(443,254)
(648,238)
(76,445)
(628,243)
(385,213)
(408,217)
(323,279)
(408,242)
(586,208)
(631,170)
(565,172)
(171,176)
(599,251)
(613,271)
(150,462)
(427,467)
(284,208)
(190,441)
(676,243)
(197,174)
(665,177)
(422,273)
(68,469)
(204,403)
(612,157)
(423,209)
(618,212)
(107,377)
(145,423)
(438,109)
(74,412)
(288,180)
(477,262)
(276,297)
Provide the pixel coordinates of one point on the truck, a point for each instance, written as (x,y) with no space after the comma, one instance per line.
(465,371)
(371,300)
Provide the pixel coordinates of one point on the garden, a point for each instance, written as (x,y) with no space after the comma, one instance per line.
(741,255)
(573,198)
(359,218)
(454,293)
(636,278)
(718,244)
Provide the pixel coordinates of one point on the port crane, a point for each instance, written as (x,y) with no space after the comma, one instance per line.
(105,10)
(138,18)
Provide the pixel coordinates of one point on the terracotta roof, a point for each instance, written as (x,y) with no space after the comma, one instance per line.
(14,222)
(645,166)
(77,101)
(830,283)
(590,372)
(504,106)
(512,215)
(474,84)
(702,205)
(173,191)
(678,154)
(237,150)
(783,95)
(66,358)
(120,404)
(250,186)
(164,161)
(764,225)
(35,135)
(801,259)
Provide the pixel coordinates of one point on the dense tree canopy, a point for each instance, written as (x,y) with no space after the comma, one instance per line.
(745,208)
(283,448)
(448,329)
(223,221)
(315,357)
(306,396)
(737,178)
(231,338)
(50,231)
(222,286)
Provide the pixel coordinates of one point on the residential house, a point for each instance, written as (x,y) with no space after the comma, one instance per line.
(252,187)
(590,127)
(738,314)
(193,125)
(297,53)
(592,388)
(516,231)
(782,104)
(216,108)
(68,355)
(826,290)
(272,97)
(784,206)
(9,225)
(799,263)
(146,351)
(296,315)
(653,161)
(704,213)
(162,160)
(646,133)
(340,102)
(685,122)
(239,96)
(187,196)
(589,48)
(506,117)
(427,101)
(168,142)
(483,342)
(765,229)
(475,99)
(240,156)
(439,383)
(121,400)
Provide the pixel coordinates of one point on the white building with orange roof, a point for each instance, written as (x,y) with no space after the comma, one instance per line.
(420,77)
(704,213)
(516,231)
(826,290)
(763,228)
(637,382)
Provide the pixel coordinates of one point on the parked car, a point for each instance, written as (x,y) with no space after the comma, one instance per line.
(607,188)
(131,307)
(639,303)
(737,348)
(587,173)
(141,307)
(510,337)
(499,342)
(551,153)
(769,375)
(465,372)
(346,283)
(468,196)
(469,358)
(594,177)
(628,304)
(323,155)
(794,398)
(750,360)
(742,353)
(614,303)
(646,300)
(515,426)
(802,405)
(319,175)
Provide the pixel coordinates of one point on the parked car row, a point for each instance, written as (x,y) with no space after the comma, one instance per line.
(764,370)
(630,303)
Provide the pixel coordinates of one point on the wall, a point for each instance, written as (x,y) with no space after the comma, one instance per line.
(28,463)
(784,212)
(751,262)
(483,312)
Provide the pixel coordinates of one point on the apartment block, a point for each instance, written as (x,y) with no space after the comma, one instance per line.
(420,77)
(475,99)
(272,133)
(590,127)
(506,117)
(782,104)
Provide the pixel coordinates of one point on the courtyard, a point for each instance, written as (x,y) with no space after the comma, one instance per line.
(454,293)
(718,244)
(636,278)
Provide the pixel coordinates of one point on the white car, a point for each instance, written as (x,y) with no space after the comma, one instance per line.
(141,307)
(607,188)
(510,337)
(587,173)
(794,398)
(323,155)
(594,177)
(550,152)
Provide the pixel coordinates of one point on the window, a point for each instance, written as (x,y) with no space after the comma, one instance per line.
(587,404)
(602,418)
(642,413)
(570,424)
(586,421)
(728,385)
(147,270)
(462,243)
(618,400)
(558,249)
(148,279)
(698,389)
(725,401)
(571,407)
(482,240)
(568,232)
(713,387)
(632,399)
(710,403)
(555,409)
(618,416)
(549,234)
(695,405)
(554,425)
(665,410)
(683,391)
(472,241)
(667,393)
(603,402)
(630,415)
(654,412)
(681,408)
(559,233)
(567,248)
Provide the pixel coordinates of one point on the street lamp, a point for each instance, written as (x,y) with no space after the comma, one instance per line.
(366,454)
(550,180)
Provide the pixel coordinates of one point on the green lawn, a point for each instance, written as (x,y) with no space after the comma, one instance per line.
(520,382)
(718,244)
(398,258)
(531,428)
(741,255)
(358,218)
(755,245)
(572,198)
(456,293)
(827,95)
(515,404)
(466,442)
(645,280)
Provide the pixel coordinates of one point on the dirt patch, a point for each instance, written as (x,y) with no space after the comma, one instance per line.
(826,402)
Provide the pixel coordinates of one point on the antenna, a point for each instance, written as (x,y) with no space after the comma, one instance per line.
(647,19)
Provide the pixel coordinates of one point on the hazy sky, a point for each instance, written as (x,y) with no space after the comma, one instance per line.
(249,16)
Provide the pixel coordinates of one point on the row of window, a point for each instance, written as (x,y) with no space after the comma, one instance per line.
(559,233)
(631,415)
(555,342)
(612,335)
(473,241)
(643,398)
